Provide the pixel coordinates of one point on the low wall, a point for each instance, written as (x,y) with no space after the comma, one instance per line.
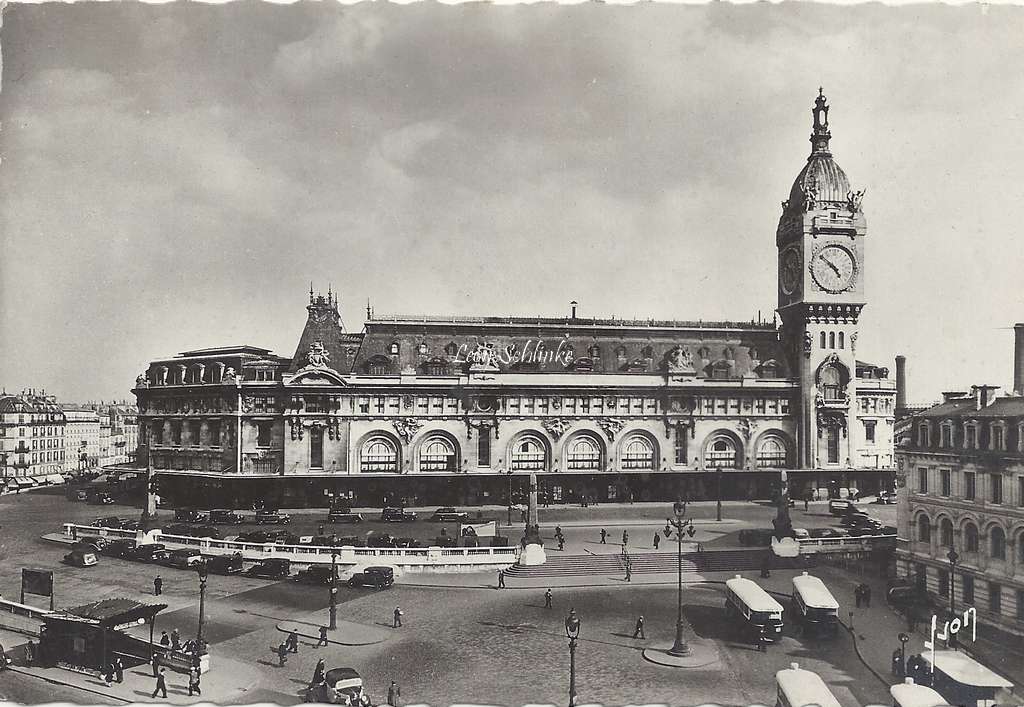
(413,559)
(862,544)
(21,618)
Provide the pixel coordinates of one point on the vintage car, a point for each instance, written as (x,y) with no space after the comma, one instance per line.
(397,515)
(81,556)
(207,531)
(108,522)
(183,558)
(122,547)
(225,517)
(447,514)
(344,517)
(270,569)
(842,506)
(224,564)
(177,529)
(381,540)
(315,574)
(189,515)
(376,577)
(270,517)
(341,686)
(102,498)
(150,552)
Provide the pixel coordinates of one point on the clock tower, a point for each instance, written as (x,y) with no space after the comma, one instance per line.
(820,241)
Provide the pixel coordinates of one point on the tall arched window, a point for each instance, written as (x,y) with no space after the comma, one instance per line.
(822,340)
(379,454)
(584,453)
(437,454)
(722,453)
(997,543)
(771,453)
(946,533)
(924,529)
(971,537)
(527,455)
(638,453)
(831,383)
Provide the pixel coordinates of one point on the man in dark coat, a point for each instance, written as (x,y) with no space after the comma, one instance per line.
(657,540)
(293,641)
(625,537)
(501,579)
(165,641)
(118,670)
(175,640)
(547,599)
(323,637)
(193,681)
(108,675)
(161,684)
(158,585)
(282,654)
(394,694)
(397,617)
(155,662)
(318,672)
(604,536)
(638,632)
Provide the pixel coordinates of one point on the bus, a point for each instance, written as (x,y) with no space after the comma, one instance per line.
(814,604)
(908,694)
(800,688)
(760,612)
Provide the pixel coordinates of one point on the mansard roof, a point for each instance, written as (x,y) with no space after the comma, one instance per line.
(1005,407)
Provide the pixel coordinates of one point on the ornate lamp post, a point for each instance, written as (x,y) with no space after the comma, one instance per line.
(952,556)
(333,623)
(718,506)
(903,638)
(203,574)
(572,632)
(682,526)
(509,474)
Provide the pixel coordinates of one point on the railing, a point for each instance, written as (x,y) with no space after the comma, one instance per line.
(316,554)
(851,544)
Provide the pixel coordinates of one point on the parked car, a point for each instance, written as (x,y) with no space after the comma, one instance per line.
(315,574)
(150,552)
(120,548)
(131,525)
(207,531)
(189,515)
(108,522)
(801,533)
(96,541)
(284,537)
(270,517)
(447,514)
(341,506)
(102,499)
(760,537)
(224,564)
(397,515)
(81,557)
(842,506)
(344,517)
(444,541)
(341,686)
(351,541)
(381,540)
(887,530)
(183,558)
(376,577)
(407,542)
(270,569)
(821,533)
(886,498)
(177,529)
(256,536)
(226,517)
(853,520)
(80,496)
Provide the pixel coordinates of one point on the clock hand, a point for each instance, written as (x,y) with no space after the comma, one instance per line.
(832,265)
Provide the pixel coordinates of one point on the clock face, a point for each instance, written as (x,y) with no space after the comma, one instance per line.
(833,268)
(790,271)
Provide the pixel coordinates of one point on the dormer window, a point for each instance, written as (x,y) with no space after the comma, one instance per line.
(924,435)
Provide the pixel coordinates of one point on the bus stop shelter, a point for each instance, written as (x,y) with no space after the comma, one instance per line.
(90,636)
(963,680)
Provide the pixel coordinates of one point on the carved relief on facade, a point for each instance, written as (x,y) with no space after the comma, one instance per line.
(611,426)
(141,381)
(746,428)
(317,356)
(828,418)
(483,427)
(406,427)
(295,426)
(556,427)
(407,402)
(679,360)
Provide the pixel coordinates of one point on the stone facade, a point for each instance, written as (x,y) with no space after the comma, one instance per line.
(32,437)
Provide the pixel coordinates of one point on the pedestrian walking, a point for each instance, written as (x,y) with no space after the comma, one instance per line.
(320,530)
(561,543)
(625,537)
(501,579)
(282,654)
(108,675)
(158,585)
(897,664)
(165,641)
(161,684)
(867,596)
(193,681)
(155,662)
(857,592)
(762,641)
(398,617)
(629,571)
(523,515)
(118,670)
(318,672)
(394,694)
(657,540)
(807,501)
(558,531)
(638,632)
(604,536)
(547,599)
(293,641)
(323,637)
(175,640)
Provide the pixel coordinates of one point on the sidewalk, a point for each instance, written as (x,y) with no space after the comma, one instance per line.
(347,633)
(227,680)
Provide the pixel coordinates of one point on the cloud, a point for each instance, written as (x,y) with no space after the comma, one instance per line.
(348,39)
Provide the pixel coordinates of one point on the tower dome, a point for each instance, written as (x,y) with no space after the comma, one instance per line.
(821,181)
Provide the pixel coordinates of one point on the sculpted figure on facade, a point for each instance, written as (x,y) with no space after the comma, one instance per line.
(318,356)
(556,427)
(406,428)
(746,428)
(679,360)
(141,381)
(855,200)
(611,426)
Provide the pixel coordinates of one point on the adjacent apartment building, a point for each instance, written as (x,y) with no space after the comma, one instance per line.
(960,485)
(32,439)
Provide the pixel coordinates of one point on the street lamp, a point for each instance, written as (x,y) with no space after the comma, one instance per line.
(203,574)
(333,623)
(572,632)
(952,556)
(903,638)
(509,474)
(718,507)
(683,526)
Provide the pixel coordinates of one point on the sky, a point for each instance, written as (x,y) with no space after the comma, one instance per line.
(173,176)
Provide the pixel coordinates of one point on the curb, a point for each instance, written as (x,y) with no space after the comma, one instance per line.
(317,637)
(104,695)
(856,648)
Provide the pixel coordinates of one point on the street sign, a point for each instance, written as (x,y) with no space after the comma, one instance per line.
(37,582)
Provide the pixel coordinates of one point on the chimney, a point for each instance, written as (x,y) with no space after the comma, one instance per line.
(1018,359)
(984,395)
(949,395)
(573,304)
(901,384)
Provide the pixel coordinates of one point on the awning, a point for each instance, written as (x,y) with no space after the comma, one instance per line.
(55,479)
(111,612)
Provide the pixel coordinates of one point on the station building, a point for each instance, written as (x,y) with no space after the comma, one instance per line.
(430,410)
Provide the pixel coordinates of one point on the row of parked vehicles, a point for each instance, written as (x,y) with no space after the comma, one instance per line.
(337,514)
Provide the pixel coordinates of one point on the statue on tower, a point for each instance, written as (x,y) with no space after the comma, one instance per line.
(318,355)
(783,524)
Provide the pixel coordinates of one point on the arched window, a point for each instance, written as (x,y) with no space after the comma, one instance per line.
(924,529)
(437,454)
(584,453)
(620,352)
(772,453)
(451,349)
(997,543)
(594,351)
(842,340)
(379,454)
(946,533)
(971,537)
(528,455)
(423,349)
(822,340)
(638,453)
(924,435)
(394,348)
(722,453)
(831,383)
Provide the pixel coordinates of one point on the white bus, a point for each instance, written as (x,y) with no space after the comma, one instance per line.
(800,688)
(907,694)
(762,614)
(814,604)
